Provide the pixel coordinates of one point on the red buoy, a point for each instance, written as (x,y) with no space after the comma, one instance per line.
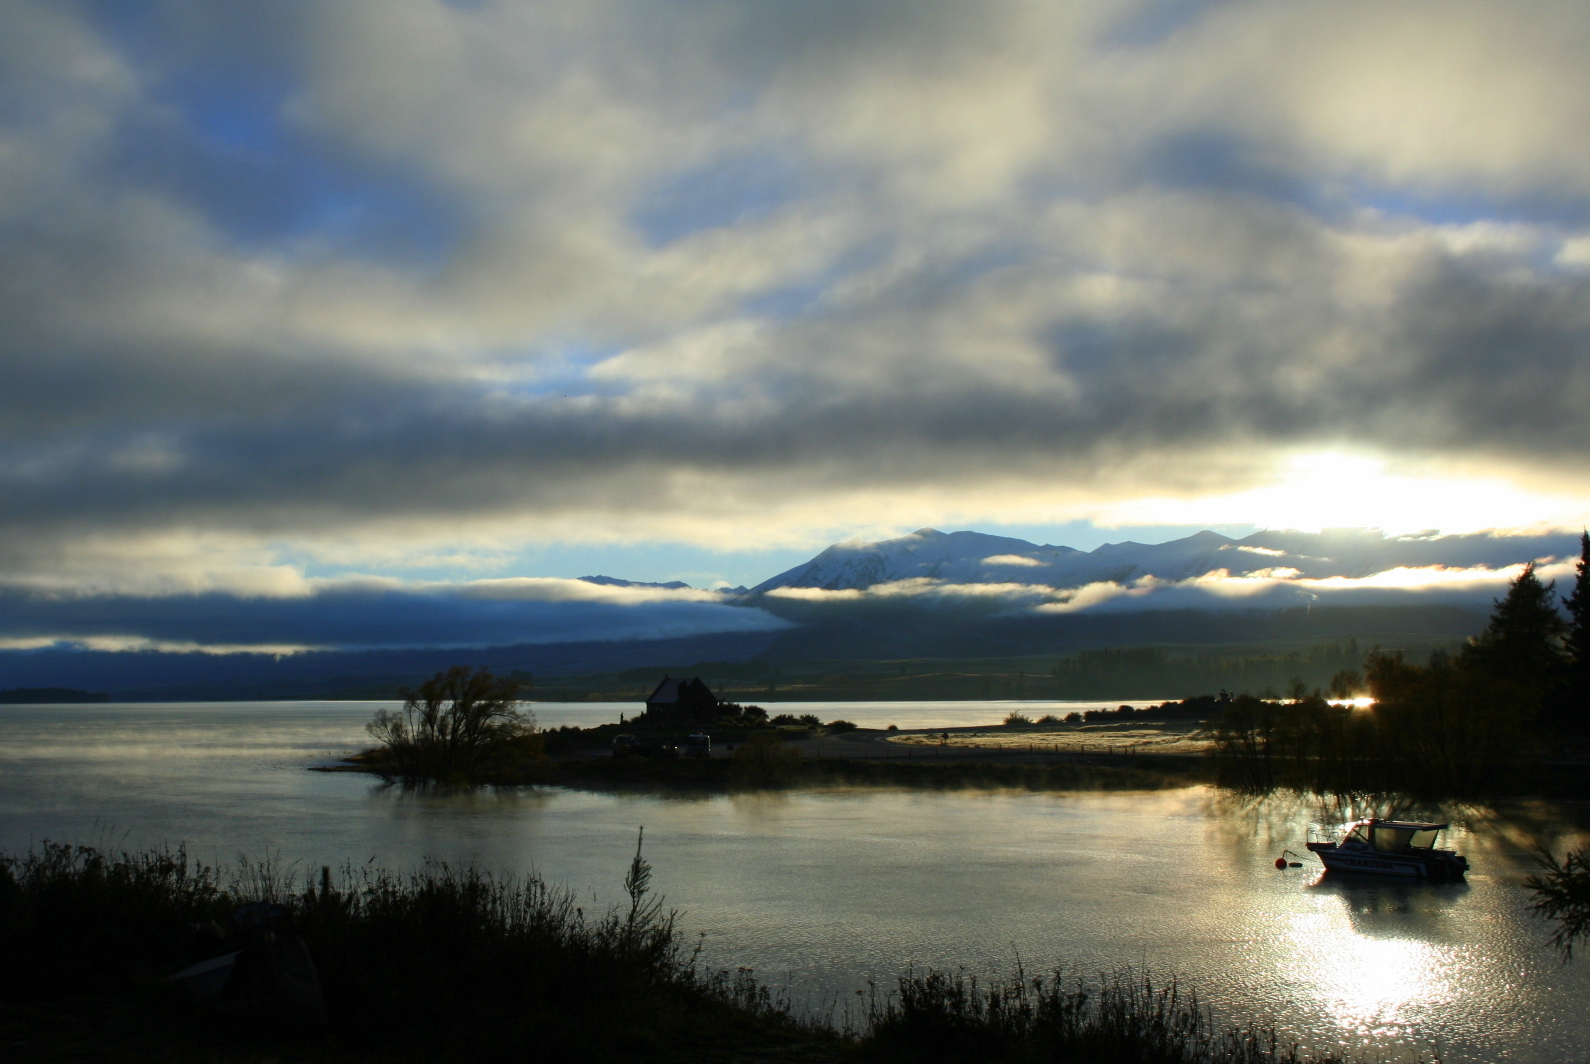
(1280,862)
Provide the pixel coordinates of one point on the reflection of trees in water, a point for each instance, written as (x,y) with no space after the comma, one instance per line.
(1251,825)
(1517,831)
(1386,907)
(1284,819)
(474,799)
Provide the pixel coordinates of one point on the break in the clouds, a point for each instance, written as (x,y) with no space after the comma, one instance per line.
(335,286)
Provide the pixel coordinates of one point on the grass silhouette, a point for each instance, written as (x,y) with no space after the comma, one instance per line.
(450,963)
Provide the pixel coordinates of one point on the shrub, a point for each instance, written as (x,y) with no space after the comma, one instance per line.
(763,760)
(734,715)
(440,964)
(75,919)
(840,726)
(1118,713)
(1017,719)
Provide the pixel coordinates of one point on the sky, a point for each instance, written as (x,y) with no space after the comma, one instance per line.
(307,291)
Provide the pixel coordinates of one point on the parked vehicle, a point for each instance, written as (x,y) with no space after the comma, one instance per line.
(625,745)
(698,744)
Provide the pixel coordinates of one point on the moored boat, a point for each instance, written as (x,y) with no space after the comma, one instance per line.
(1392,848)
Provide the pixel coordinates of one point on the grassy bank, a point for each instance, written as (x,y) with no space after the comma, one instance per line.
(451,964)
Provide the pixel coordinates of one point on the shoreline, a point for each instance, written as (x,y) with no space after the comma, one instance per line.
(911,759)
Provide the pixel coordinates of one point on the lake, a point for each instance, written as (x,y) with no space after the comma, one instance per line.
(822,891)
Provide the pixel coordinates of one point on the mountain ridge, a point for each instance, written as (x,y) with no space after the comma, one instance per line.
(929,594)
(967,557)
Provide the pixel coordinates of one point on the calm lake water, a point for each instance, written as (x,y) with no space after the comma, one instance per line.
(820,892)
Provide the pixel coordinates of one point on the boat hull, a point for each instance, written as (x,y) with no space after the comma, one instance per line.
(1435,866)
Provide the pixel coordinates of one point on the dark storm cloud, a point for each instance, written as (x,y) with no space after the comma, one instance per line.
(286,274)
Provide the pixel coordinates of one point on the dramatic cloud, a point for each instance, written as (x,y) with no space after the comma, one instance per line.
(358,614)
(292,287)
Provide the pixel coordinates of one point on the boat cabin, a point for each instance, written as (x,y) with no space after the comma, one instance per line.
(1394,836)
(1391,847)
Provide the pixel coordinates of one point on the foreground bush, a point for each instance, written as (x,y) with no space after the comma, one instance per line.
(939,1017)
(443,963)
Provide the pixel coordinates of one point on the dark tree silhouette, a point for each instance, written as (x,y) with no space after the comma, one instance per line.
(1523,642)
(1562,893)
(455,725)
(1575,698)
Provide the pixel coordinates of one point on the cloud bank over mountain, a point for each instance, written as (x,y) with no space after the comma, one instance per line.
(970,575)
(294,286)
(1206,571)
(368,614)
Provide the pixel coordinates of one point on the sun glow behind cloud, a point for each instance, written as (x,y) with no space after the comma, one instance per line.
(1332,489)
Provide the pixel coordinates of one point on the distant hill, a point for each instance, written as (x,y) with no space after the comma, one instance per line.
(882,631)
(145,676)
(46,695)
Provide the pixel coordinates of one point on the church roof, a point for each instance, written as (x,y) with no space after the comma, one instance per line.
(671,691)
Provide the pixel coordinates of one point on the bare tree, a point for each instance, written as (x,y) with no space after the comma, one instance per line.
(455,726)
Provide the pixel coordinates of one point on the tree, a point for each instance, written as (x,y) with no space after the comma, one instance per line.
(455,726)
(1347,683)
(1523,643)
(1575,698)
(1434,730)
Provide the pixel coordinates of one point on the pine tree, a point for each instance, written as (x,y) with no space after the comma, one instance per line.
(1576,695)
(1523,642)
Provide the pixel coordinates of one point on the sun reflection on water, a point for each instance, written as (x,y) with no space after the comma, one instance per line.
(1370,977)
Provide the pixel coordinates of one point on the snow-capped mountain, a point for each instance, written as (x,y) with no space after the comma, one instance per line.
(975,558)
(957,557)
